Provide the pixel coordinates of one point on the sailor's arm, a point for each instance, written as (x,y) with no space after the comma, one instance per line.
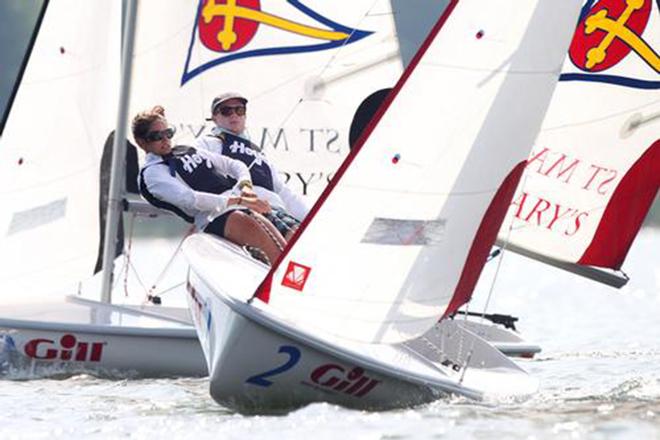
(171,190)
(231,167)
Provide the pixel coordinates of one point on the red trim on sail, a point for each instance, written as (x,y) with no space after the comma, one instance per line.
(484,239)
(625,213)
(263,291)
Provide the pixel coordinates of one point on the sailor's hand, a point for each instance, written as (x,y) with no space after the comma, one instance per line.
(248,192)
(258,205)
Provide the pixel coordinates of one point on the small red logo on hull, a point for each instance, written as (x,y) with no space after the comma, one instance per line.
(296,276)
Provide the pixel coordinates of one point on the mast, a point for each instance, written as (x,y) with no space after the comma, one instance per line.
(118,151)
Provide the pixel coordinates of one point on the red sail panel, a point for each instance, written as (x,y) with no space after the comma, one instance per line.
(484,239)
(625,213)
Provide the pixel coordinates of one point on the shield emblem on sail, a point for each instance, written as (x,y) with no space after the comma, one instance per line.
(221,30)
(612,40)
(229,30)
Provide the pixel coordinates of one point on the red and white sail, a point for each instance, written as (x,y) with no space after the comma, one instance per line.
(408,222)
(594,171)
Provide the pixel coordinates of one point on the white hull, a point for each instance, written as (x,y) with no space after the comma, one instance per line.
(90,337)
(259,362)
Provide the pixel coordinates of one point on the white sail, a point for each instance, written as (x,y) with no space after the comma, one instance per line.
(410,218)
(304,66)
(66,106)
(51,147)
(595,168)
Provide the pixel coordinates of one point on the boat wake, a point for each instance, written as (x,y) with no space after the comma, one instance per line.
(601,354)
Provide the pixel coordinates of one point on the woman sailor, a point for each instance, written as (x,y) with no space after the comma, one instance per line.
(200,186)
(229,139)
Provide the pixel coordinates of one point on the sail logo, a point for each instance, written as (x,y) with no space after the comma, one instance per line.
(229,30)
(69,348)
(296,276)
(611,38)
(222,26)
(336,378)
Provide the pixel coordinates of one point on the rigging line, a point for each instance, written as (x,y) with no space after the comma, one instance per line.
(356,68)
(160,276)
(482,318)
(169,289)
(137,276)
(336,53)
(127,253)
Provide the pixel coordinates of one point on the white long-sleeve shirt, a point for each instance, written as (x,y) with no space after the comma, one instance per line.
(281,197)
(202,206)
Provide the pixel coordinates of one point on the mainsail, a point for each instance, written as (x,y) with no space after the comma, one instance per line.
(50,150)
(408,221)
(595,168)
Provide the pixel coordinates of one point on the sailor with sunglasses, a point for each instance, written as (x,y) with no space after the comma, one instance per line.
(201,187)
(228,138)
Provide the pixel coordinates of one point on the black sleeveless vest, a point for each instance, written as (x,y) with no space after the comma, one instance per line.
(195,170)
(242,149)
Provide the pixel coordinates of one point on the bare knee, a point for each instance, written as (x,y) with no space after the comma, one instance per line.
(245,229)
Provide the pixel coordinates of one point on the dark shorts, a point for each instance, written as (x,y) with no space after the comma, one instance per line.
(282,221)
(217,226)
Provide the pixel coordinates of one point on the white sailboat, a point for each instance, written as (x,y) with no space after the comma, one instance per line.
(398,239)
(64,110)
(51,181)
(304,105)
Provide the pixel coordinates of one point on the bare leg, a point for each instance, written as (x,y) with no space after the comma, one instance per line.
(254,230)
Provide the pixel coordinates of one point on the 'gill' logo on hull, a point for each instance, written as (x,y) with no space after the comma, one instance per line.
(231,28)
(336,378)
(611,39)
(68,349)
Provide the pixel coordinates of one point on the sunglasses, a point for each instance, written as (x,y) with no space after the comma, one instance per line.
(154,136)
(227,110)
